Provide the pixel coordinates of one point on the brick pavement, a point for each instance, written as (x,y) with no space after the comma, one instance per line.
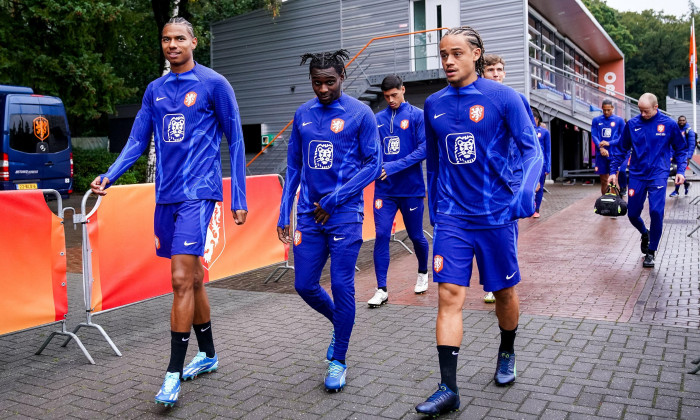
(578,364)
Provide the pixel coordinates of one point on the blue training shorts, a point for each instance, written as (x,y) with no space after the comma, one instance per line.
(495,249)
(602,164)
(181,228)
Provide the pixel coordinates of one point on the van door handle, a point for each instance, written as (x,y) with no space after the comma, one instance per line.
(49,163)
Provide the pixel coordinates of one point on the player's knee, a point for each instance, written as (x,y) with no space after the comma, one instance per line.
(450,296)
(506,295)
(383,235)
(182,283)
(306,289)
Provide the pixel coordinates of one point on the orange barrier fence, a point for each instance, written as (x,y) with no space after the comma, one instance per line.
(125,268)
(33,249)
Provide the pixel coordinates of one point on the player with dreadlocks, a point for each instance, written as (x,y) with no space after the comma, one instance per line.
(469,127)
(334,154)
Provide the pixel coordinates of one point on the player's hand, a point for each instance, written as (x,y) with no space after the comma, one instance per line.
(604,143)
(680,179)
(320,215)
(537,189)
(98,187)
(239,216)
(283,234)
(604,152)
(383,175)
(612,179)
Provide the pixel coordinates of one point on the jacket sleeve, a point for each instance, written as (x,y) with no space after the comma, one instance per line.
(138,140)
(680,148)
(691,143)
(432,161)
(371,165)
(523,204)
(547,152)
(293,175)
(416,155)
(619,150)
(595,134)
(227,114)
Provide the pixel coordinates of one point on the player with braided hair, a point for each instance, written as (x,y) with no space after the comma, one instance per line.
(333,154)
(469,128)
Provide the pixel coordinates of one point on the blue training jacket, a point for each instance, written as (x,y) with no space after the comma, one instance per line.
(334,154)
(546,144)
(689,136)
(402,135)
(187,114)
(468,135)
(651,142)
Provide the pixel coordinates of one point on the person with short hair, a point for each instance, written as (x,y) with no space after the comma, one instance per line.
(400,185)
(689,136)
(606,130)
(650,136)
(469,126)
(187,111)
(333,154)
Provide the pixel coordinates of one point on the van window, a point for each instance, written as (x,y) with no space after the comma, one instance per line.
(33,133)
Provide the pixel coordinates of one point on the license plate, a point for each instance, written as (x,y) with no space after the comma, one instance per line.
(26,186)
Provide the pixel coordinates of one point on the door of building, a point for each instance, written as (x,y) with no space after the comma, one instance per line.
(431,14)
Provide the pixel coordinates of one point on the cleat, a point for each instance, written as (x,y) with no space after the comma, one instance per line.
(335,376)
(169,390)
(505,369)
(421,283)
(648,260)
(200,364)
(674,194)
(536,215)
(444,400)
(489,298)
(380,298)
(329,352)
(645,243)
(687,187)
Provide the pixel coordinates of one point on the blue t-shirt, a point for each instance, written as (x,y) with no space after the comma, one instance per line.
(402,137)
(334,154)
(651,142)
(546,145)
(468,133)
(187,113)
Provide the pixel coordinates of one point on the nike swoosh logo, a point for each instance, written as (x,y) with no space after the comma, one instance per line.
(204,329)
(637,129)
(161,98)
(380,125)
(658,188)
(511,276)
(413,209)
(189,243)
(436,116)
(335,238)
(186,339)
(305,124)
(454,353)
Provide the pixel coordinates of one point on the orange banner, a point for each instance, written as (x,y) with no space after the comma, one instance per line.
(33,248)
(124,264)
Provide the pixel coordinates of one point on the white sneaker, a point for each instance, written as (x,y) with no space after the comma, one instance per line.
(489,298)
(380,298)
(421,283)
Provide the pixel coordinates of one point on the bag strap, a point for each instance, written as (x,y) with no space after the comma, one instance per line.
(615,189)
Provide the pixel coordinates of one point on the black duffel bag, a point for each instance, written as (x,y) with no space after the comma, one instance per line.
(611,203)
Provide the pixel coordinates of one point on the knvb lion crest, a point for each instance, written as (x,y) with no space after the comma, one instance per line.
(461,148)
(438,263)
(320,154)
(476,113)
(216,237)
(297,238)
(41,128)
(378,203)
(660,128)
(173,128)
(337,125)
(190,98)
(404,124)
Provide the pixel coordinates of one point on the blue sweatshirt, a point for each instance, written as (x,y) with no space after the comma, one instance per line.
(689,136)
(607,129)
(468,134)
(334,154)
(403,148)
(187,114)
(546,145)
(651,142)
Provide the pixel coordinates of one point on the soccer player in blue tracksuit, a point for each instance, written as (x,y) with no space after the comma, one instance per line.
(334,154)
(187,111)
(689,136)
(546,146)
(651,136)
(606,130)
(495,69)
(469,126)
(400,185)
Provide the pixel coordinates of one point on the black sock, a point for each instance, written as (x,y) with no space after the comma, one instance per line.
(383,288)
(337,360)
(423,272)
(507,340)
(678,187)
(178,350)
(448,366)
(205,338)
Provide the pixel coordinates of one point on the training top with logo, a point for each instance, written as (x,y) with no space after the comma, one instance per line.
(689,136)
(334,149)
(187,114)
(468,133)
(651,142)
(402,135)
(607,129)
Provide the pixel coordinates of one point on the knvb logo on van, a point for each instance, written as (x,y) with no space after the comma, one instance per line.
(190,98)
(216,237)
(41,128)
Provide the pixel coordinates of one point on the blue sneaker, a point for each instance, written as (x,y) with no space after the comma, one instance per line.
(200,364)
(442,401)
(505,369)
(674,194)
(329,352)
(335,376)
(169,390)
